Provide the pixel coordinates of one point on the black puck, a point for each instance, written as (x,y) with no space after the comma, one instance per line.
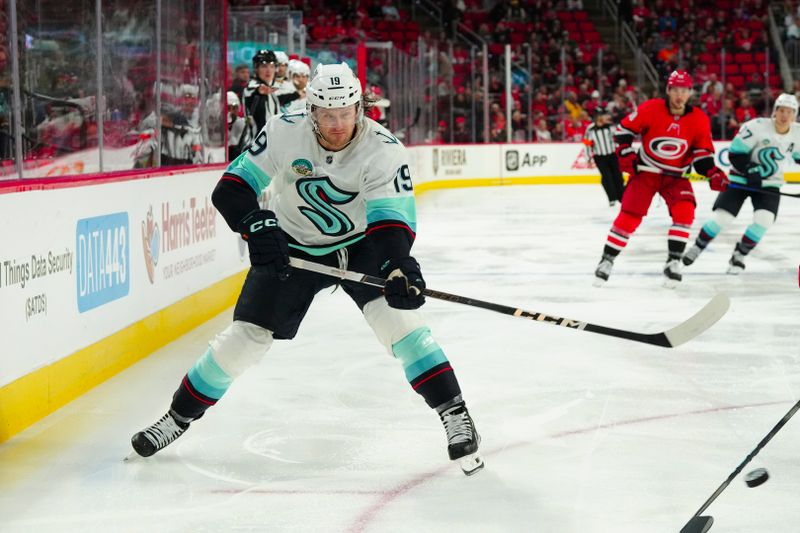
(756,477)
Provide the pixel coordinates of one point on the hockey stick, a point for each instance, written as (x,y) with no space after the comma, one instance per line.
(697,177)
(701,524)
(683,332)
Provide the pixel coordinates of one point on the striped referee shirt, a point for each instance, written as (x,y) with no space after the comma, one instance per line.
(599,140)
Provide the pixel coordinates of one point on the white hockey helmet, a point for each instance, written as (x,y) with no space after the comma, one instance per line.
(233,99)
(786,100)
(333,86)
(298,67)
(281,57)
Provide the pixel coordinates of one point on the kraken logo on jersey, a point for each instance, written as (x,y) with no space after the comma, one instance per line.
(322,195)
(768,161)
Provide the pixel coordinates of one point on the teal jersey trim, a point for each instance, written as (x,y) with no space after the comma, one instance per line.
(403,208)
(318,251)
(712,228)
(755,232)
(418,352)
(208,378)
(250,172)
(738,146)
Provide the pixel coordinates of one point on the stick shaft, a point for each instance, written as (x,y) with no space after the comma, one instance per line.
(678,335)
(655,170)
(750,457)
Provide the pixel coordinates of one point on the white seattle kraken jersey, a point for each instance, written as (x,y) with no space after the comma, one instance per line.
(771,151)
(325,200)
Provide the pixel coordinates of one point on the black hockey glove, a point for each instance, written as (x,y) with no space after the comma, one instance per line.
(269,251)
(753,175)
(404,283)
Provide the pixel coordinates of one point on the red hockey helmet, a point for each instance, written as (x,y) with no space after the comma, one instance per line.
(679,78)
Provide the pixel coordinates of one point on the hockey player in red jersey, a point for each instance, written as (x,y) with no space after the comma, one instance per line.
(675,136)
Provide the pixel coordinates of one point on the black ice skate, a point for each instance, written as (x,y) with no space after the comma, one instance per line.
(603,271)
(462,438)
(159,435)
(736,263)
(691,256)
(672,273)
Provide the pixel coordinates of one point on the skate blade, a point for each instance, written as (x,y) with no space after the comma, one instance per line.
(132,456)
(671,283)
(471,464)
(599,282)
(734,271)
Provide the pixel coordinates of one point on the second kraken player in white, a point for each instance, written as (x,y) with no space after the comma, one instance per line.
(342,195)
(758,154)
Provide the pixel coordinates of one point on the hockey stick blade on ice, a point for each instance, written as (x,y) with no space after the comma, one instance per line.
(697,522)
(683,332)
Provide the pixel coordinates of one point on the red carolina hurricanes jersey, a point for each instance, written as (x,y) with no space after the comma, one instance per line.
(669,142)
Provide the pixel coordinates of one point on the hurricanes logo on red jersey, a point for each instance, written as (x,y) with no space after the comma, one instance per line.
(668,147)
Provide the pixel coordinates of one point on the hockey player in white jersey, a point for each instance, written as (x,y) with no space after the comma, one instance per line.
(758,155)
(343,196)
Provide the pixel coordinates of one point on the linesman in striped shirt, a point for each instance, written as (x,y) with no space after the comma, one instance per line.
(599,141)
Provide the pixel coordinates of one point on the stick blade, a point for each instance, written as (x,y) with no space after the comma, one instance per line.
(698,524)
(701,321)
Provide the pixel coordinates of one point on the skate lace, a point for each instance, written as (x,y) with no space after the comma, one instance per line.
(458,427)
(164,431)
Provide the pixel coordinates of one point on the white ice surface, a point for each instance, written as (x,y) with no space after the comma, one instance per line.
(581,433)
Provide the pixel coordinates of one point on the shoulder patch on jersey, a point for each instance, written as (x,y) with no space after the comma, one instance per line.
(389,139)
(302,167)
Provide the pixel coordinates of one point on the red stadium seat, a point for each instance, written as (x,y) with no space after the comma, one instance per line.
(581,15)
(743,57)
(706,58)
(748,68)
(731,68)
(586,26)
(713,68)
(761,57)
(737,81)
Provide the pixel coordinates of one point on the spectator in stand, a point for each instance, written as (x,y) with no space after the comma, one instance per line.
(558,131)
(793,29)
(575,5)
(497,124)
(441,136)
(237,132)
(541,133)
(744,40)
(755,87)
(711,101)
(574,129)
(712,81)
(729,114)
(519,126)
(240,80)
(515,12)
(389,10)
(745,111)
(591,106)
(460,133)
(572,106)
(640,14)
